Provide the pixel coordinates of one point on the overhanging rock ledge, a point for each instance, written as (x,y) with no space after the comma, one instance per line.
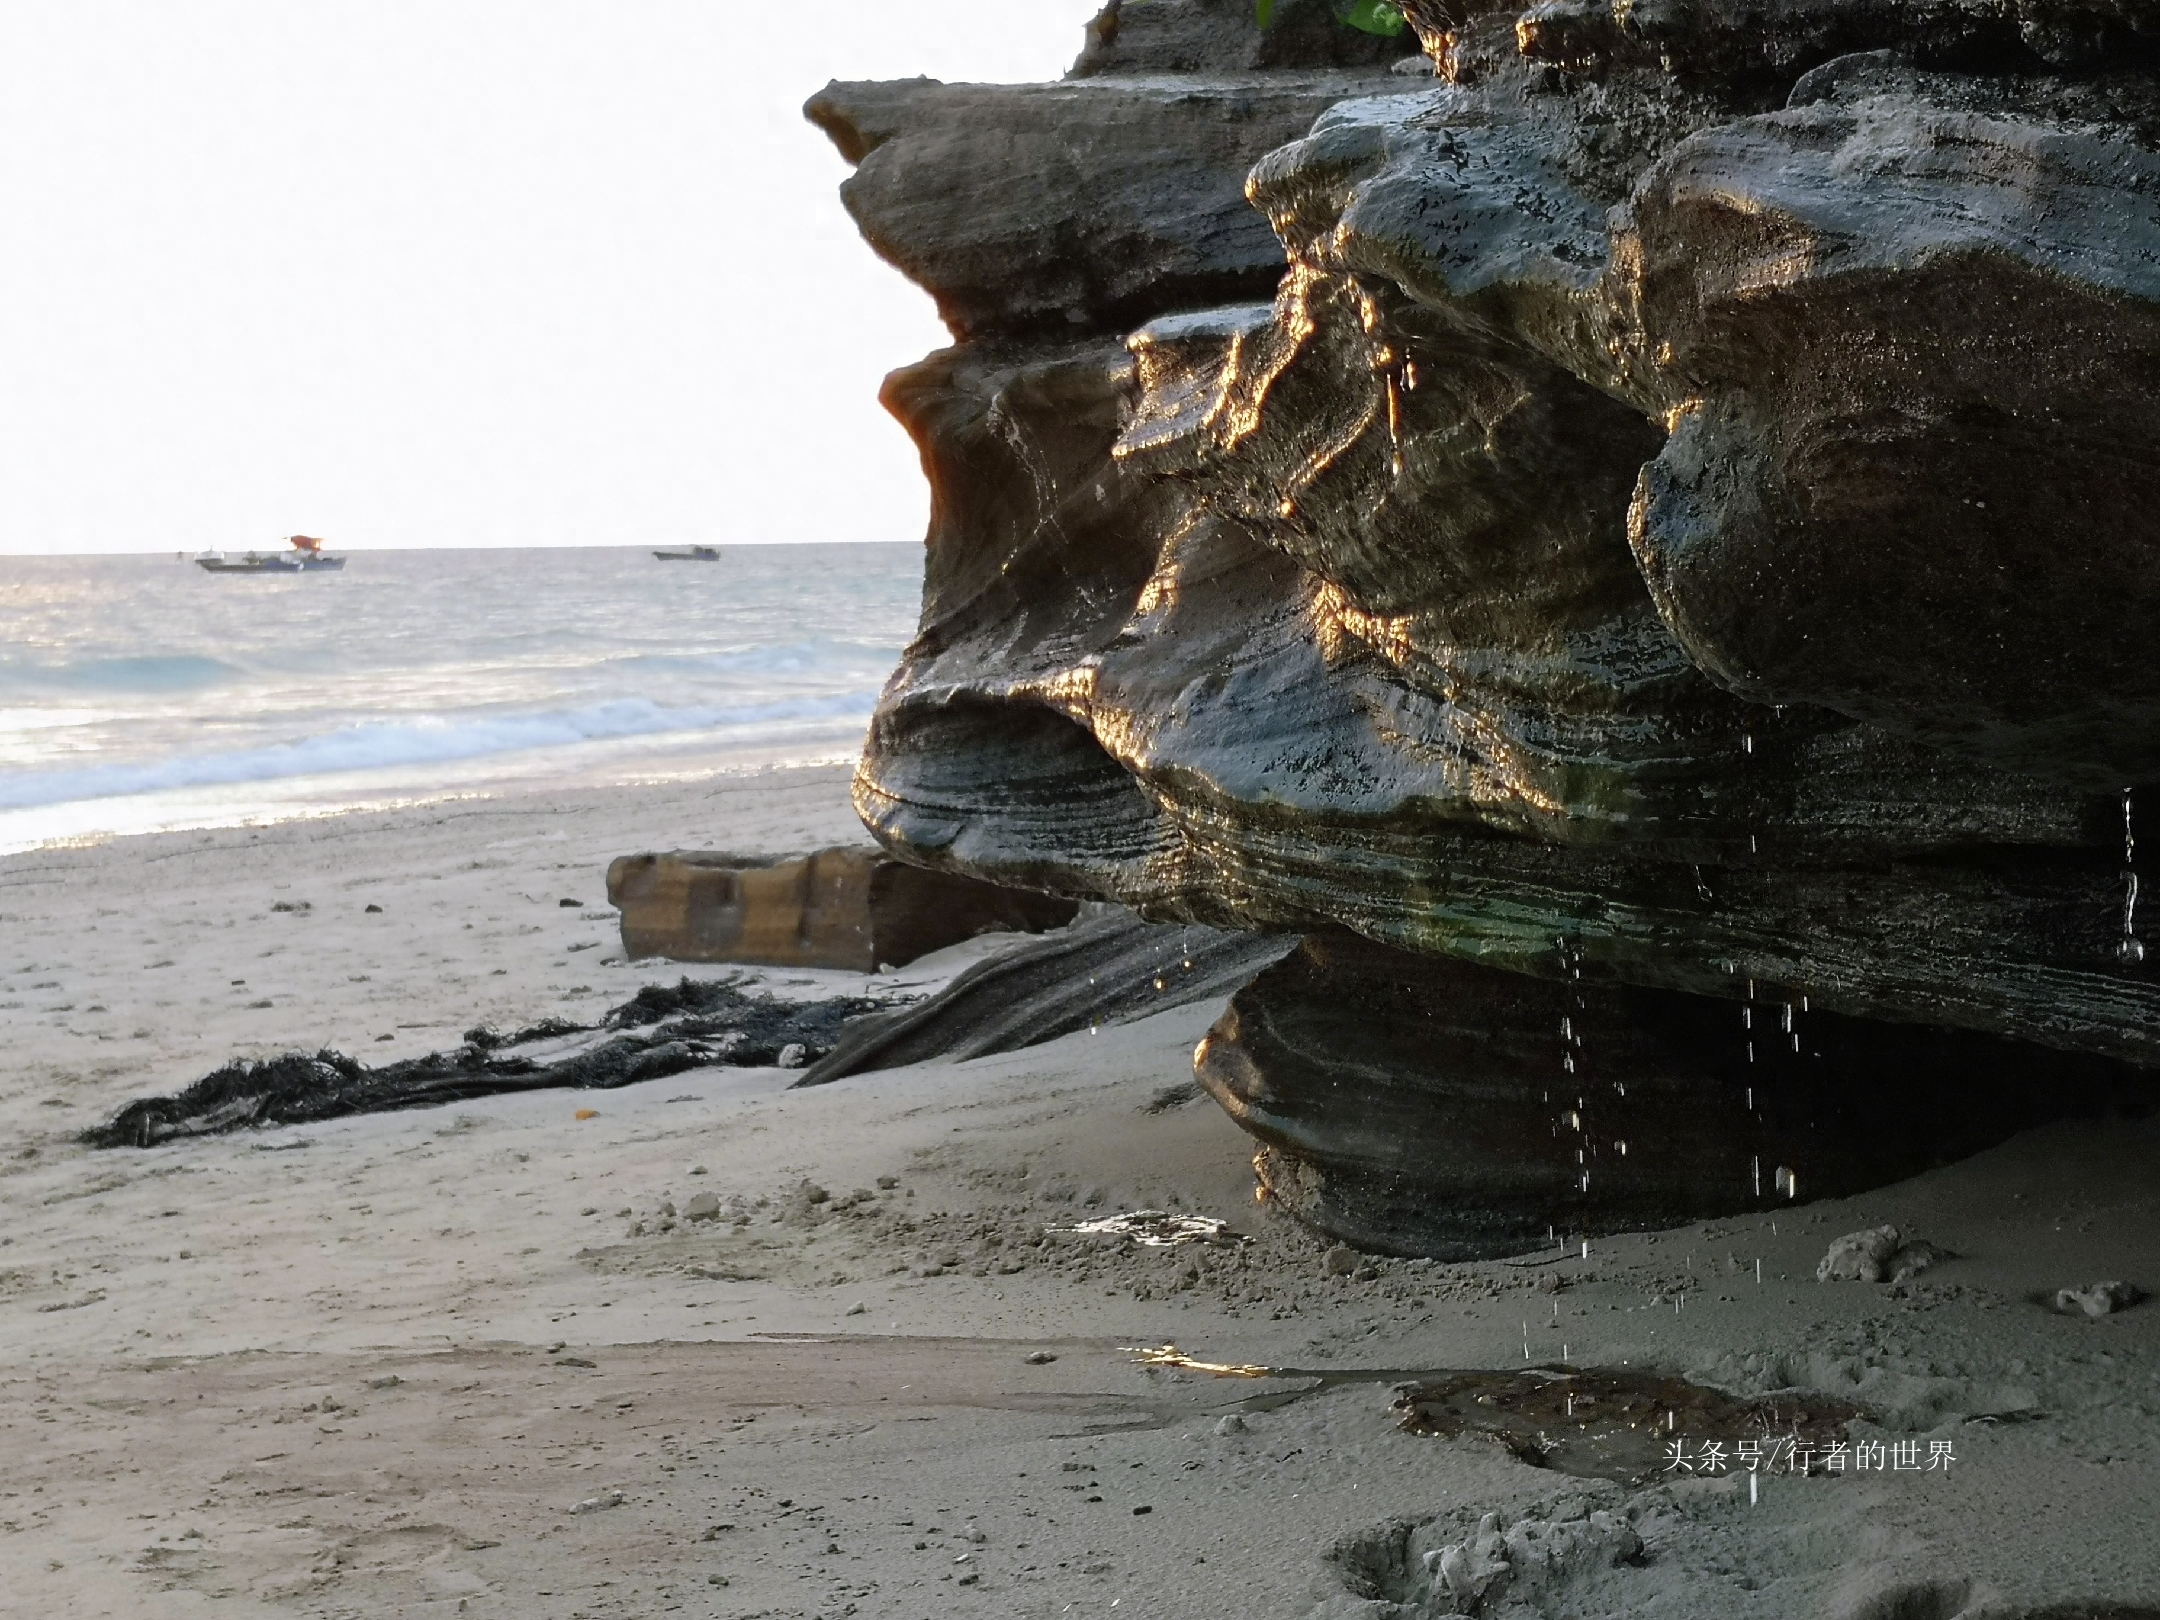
(1654,499)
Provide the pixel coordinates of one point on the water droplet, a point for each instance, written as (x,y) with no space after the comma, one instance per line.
(2131,951)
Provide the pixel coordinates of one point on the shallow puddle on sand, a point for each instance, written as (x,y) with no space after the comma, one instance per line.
(1617,1424)
(1623,1425)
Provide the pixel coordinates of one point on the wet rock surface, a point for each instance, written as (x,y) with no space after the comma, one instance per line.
(1681,509)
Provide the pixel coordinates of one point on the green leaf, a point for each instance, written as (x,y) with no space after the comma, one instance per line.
(1263,12)
(1373,17)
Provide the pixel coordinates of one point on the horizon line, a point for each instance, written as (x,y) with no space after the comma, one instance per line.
(463,545)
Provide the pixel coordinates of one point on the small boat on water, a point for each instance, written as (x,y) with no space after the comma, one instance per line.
(690,554)
(306,557)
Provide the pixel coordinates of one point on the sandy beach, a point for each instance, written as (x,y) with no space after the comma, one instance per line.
(471,1360)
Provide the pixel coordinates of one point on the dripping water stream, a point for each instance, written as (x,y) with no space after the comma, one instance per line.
(2130,951)
(1785,1179)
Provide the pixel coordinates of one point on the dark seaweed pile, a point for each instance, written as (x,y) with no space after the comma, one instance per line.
(662,1030)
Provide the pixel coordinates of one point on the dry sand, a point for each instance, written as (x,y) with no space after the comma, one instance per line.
(460,1361)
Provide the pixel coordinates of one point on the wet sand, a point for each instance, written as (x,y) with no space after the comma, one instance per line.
(839,1405)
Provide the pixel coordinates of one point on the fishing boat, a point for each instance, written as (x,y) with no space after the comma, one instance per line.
(306,557)
(689,554)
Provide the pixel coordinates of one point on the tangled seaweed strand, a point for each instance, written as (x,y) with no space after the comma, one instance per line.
(661,1031)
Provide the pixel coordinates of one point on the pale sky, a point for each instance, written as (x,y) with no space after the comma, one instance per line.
(456,272)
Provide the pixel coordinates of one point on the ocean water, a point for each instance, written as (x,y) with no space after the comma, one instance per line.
(139,693)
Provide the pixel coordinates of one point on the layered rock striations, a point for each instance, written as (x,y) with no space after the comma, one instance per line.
(1670,494)
(1426,1105)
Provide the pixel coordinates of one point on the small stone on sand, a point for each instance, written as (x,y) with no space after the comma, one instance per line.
(1862,1255)
(2101,1299)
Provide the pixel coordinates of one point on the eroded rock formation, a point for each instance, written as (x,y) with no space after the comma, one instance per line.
(1425,1105)
(1676,495)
